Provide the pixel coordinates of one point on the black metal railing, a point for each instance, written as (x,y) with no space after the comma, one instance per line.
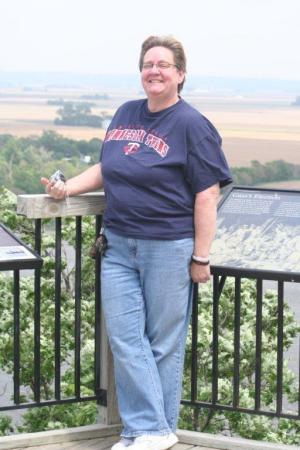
(99,394)
(281,407)
(194,399)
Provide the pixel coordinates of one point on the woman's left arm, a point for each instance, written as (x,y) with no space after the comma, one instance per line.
(205,217)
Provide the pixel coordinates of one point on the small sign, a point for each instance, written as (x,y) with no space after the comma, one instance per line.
(14,254)
(259,230)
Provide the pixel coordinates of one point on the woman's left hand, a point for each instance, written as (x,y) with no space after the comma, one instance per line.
(200,274)
(56,189)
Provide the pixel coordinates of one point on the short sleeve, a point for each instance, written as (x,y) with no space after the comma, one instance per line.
(206,164)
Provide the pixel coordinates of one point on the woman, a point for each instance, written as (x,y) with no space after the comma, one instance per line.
(161,168)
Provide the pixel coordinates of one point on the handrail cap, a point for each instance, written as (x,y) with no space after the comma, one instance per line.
(42,206)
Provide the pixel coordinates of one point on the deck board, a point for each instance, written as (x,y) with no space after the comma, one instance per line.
(99,444)
(88,444)
(102,437)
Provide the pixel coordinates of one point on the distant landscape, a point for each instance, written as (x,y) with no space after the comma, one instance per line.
(258,119)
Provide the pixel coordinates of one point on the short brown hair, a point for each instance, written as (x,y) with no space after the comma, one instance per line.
(172,44)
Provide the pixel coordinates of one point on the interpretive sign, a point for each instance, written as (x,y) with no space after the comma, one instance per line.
(259,230)
(14,254)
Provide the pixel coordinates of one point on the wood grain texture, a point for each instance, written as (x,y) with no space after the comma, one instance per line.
(42,206)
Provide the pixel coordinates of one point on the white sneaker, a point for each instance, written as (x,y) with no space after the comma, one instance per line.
(154,442)
(123,443)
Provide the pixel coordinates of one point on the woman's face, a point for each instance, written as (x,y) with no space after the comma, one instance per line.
(160,82)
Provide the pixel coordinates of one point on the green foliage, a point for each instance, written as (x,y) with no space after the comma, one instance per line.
(258,173)
(245,425)
(21,168)
(24,160)
(68,414)
(58,416)
(5,425)
(62,148)
(23,227)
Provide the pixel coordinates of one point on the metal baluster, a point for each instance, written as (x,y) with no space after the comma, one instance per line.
(16,336)
(258,344)
(215,343)
(77,306)
(57,306)
(194,354)
(279,348)
(194,358)
(237,316)
(37,316)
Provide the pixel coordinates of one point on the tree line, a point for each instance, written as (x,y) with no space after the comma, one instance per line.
(78,114)
(24,160)
(271,171)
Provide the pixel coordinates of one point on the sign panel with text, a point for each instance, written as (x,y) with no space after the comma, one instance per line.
(259,230)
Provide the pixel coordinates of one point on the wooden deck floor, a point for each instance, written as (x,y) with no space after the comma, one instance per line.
(101,444)
(85,438)
(101,437)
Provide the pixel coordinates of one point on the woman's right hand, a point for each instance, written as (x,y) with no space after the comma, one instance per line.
(56,189)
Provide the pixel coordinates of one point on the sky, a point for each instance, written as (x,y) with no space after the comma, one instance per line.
(226,38)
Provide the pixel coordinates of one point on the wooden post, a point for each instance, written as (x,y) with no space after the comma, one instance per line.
(108,415)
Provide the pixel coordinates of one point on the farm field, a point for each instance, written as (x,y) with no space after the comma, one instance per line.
(252,129)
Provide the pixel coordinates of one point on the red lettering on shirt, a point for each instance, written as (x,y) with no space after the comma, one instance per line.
(157,144)
(138,135)
(127,134)
(113,135)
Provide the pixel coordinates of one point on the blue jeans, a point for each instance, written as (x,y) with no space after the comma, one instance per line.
(146,298)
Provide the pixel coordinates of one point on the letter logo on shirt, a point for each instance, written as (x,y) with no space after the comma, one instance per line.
(139,136)
(157,144)
(131,147)
(120,134)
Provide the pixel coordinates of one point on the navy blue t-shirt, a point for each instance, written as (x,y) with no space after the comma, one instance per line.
(153,164)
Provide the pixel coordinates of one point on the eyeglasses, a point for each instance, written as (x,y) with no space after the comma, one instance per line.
(161,65)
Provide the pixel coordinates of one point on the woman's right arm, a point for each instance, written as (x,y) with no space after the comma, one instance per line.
(87,181)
